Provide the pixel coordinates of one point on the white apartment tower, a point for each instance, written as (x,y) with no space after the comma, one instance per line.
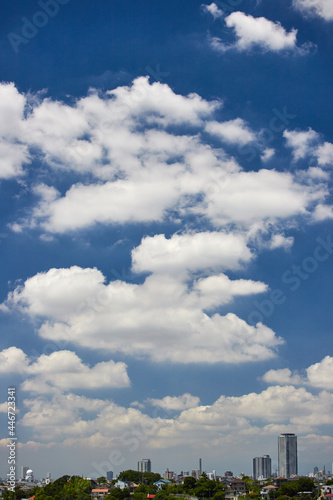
(144,465)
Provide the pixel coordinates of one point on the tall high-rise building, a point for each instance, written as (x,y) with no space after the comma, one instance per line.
(144,465)
(24,470)
(262,467)
(109,475)
(288,466)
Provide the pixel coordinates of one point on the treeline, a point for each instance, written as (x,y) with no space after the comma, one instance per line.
(295,489)
(64,488)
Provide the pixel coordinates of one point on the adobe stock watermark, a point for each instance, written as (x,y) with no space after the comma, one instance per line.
(292,277)
(30,27)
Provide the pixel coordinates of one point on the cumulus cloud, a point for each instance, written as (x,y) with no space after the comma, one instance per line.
(323,212)
(62,370)
(280,241)
(321,8)
(324,154)
(251,32)
(236,423)
(130,161)
(162,319)
(283,376)
(274,194)
(13,360)
(309,144)
(301,142)
(191,252)
(267,154)
(233,131)
(318,375)
(321,374)
(213,10)
(181,403)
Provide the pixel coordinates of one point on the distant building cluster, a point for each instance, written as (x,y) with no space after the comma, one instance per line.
(236,487)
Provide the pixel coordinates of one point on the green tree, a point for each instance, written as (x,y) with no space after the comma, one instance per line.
(130,475)
(150,477)
(139,495)
(219,495)
(289,488)
(119,494)
(306,484)
(189,483)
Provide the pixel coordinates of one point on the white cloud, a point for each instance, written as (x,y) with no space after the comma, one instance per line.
(237,423)
(12,157)
(317,375)
(233,131)
(268,153)
(149,195)
(62,370)
(12,105)
(140,169)
(162,319)
(323,212)
(13,154)
(63,415)
(252,197)
(280,241)
(181,403)
(261,32)
(283,376)
(13,360)
(321,374)
(192,252)
(219,289)
(4,407)
(321,8)
(302,143)
(324,154)
(213,10)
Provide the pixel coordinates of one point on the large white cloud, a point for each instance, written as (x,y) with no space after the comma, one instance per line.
(164,318)
(322,8)
(317,375)
(193,252)
(260,32)
(238,424)
(62,370)
(139,153)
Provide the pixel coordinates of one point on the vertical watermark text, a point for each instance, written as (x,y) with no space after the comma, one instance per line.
(12,439)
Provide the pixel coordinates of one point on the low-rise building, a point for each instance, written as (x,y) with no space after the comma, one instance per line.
(99,492)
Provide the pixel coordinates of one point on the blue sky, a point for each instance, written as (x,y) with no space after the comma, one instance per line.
(166,232)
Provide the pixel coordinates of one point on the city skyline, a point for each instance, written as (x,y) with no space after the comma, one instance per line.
(166,233)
